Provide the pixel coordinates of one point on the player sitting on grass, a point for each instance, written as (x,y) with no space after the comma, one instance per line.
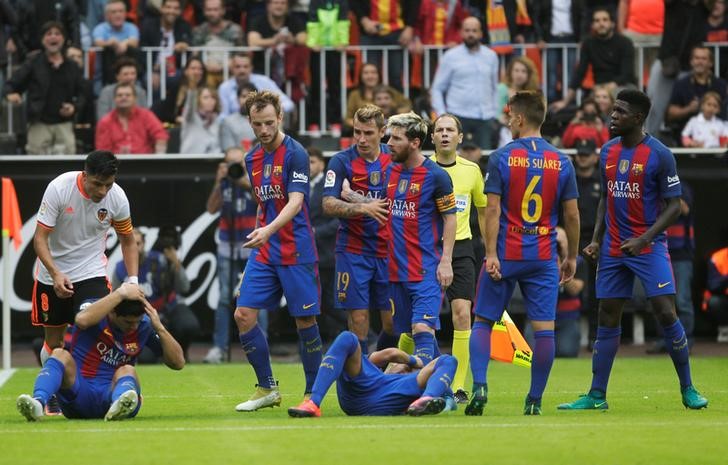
(96,378)
(363,389)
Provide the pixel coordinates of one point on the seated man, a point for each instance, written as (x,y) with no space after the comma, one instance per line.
(96,378)
(116,36)
(363,389)
(126,71)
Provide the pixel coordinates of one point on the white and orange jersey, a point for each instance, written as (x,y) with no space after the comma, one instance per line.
(79,227)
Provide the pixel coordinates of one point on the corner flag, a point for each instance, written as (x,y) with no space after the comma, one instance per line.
(507,343)
(11,222)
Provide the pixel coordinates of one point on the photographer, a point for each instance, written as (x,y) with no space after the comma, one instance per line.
(231,198)
(586,125)
(162,277)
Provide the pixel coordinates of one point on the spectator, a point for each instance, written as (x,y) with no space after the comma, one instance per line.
(605,102)
(171,108)
(125,71)
(642,21)
(169,31)
(116,36)
(521,74)
(384,99)
(718,32)
(163,279)
(438,24)
(687,92)
(129,128)
(715,298)
(241,68)
(54,92)
(200,126)
(453,90)
(235,129)
(33,14)
(586,125)
(610,54)
(216,31)
(387,23)
(85,114)
(706,129)
(369,78)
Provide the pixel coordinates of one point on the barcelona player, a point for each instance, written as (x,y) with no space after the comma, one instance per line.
(361,242)
(640,199)
(363,389)
(284,258)
(528,182)
(96,378)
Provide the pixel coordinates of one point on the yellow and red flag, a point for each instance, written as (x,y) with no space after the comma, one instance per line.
(11,222)
(508,345)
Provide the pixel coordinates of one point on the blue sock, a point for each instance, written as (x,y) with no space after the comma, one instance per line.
(605,350)
(49,380)
(439,382)
(364,344)
(310,349)
(480,352)
(255,347)
(123,384)
(677,344)
(386,340)
(543,359)
(424,346)
(332,364)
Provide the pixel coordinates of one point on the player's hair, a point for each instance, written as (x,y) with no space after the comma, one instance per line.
(638,101)
(531,104)
(458,124)
(129,308)
(370,112)
(316,153)
(125,84)
(711,94)
(48,25)
(101,163)
(414,126)
(124,62)
(260,100)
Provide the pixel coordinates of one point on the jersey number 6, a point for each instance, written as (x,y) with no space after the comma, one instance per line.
(531,196)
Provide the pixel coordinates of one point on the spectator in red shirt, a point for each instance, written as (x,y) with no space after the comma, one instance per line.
(586,125)
(130,128)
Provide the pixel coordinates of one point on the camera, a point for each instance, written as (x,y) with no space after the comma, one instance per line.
(169,236)
(235,171)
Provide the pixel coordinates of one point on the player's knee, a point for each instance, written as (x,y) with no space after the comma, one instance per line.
(125,370)
(245,318)
(62,355)
(447,361)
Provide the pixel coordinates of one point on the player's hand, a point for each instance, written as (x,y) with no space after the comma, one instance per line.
(62,285)
(567,271)
(633,246)
(493,268)
(444,273)
(378,209)
(153,316)
(258,238)
(346,190)
(129,291)
(591,251)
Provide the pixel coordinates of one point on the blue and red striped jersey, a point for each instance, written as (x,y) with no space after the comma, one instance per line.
(417,199)
(636,181)
(273,176)
(99,350)
(360,235)
(533,178)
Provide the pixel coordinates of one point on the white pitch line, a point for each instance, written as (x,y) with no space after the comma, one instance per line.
(5,375)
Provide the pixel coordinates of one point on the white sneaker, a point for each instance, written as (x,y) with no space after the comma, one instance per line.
(123,406)
(722,334)
(214,355)
(260,399)
(29,407)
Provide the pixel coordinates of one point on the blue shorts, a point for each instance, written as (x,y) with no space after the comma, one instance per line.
(263,285)
(615,275)
(361,282)
(415,302)
(391,395)
(539,283)
(88,399)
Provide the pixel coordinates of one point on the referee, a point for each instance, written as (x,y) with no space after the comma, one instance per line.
(468,186)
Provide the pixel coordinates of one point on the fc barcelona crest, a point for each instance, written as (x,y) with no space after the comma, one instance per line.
(637,169)
(375,177)
(414,188)
(266,171)
(277,170)
(101,214)
(623,166)
(402,187)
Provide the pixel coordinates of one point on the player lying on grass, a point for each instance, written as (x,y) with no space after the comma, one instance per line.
(96,378)
(363,389)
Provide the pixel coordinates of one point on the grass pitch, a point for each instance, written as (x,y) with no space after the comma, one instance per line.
(188,417)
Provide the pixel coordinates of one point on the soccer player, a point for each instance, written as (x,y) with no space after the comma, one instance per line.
(361,243)
(467,184)
(528,181)
(422,228)
(284,258)
(96,378)
(75,215)
(640,199)
(363,389)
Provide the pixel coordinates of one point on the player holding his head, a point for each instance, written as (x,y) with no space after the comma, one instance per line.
(96,378)
(640,199)
(361,243)
(467,182)
(284,258)
(528,182)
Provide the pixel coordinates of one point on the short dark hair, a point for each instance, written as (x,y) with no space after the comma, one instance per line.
(638,101)
(101,163)
(125,62)
(605,9)
(129,308)
(247,86)
(48,25)
(531,104)
(316,153)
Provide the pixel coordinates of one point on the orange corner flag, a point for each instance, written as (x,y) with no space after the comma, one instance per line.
(507,343)
(12,224)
